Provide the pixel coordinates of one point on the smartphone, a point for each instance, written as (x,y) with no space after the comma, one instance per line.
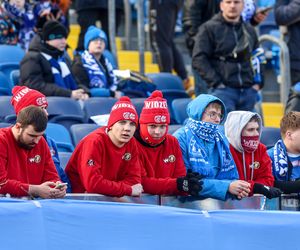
(265,9)
(61,185)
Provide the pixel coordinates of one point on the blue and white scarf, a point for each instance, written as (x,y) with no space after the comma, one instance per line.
(97,73)
(61,73)
(198,133)
(281,162)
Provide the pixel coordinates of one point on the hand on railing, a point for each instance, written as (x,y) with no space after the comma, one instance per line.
(269,192)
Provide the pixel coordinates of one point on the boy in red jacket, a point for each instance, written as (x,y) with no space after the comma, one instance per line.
(106,161)
(163,168)
(243,130)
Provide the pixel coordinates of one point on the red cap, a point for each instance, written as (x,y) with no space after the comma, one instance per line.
(123,110)
(24,97)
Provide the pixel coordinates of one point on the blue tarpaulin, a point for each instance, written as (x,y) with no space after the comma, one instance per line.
(74,224)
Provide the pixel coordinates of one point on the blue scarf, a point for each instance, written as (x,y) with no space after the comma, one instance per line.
(281,165)
(198,134)
(61,73)
(97,73)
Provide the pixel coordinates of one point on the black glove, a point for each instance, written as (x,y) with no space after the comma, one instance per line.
(269,192)
(191,174)
(288,187)
(190,185)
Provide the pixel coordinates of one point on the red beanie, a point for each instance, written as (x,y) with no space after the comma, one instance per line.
(122,110)
(155,110)
(24,97)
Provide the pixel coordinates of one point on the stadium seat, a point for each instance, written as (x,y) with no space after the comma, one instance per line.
(64,110)
(5,124)
(173,128)
(6,109)
(64,157)
(270,136)
(61,136)
(15,77)
(139,104)
(5,86)
(179,109)
(97,106)
(11,53)
(78,131)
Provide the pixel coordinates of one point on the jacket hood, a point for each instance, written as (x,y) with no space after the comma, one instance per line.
(196,107)
(235,122)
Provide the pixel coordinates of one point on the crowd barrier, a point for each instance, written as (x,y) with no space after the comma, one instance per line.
(89,222)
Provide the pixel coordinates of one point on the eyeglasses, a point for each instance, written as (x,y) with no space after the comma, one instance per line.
(214,115)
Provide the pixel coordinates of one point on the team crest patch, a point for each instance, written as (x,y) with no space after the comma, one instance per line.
(35,159)
(91,163)
(126,156)
(255,165)
(170,159)
(160,119)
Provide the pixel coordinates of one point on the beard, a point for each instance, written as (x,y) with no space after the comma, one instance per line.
(23,144)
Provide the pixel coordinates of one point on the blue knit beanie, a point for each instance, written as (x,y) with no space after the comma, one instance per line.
(93,33)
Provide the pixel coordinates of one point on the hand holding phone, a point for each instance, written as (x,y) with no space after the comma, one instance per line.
(264,10)
(61,185)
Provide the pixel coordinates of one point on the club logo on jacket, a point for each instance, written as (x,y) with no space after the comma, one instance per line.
(35,159)
(126,157)
(91,163)
(255,165)
(171,159)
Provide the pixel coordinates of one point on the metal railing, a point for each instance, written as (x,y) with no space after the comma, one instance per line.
(284,78)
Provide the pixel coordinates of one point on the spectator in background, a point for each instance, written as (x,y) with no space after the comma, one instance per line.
(8,30)
(106,161)
(26,166)
(92,69)
(90,13)
(205,150)
(24,97)
(22,14)
(163,15)
(243,130)
(222,53)
(285,154)
(44,67)
(287,14)
(197,12)
(161,159)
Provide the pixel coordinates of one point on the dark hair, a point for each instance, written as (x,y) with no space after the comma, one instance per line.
(33,115)
(290,121)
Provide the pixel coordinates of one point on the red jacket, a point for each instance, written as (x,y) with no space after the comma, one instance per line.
(162,165)
(262,171)
(98,166)
(20,167)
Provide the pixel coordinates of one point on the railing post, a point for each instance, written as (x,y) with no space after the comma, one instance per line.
(128,26)
(285,74)
(141,35)
(112,27)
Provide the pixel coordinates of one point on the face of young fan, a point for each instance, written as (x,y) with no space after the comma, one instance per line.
(251,129)
(212,115)
(157,131)
(232,9)
(121,132)
(28,138)
(294,140)
(96,46)
(58,43)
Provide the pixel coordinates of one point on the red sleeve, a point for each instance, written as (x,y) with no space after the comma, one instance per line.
(163,186)
(264,175)
(91,172)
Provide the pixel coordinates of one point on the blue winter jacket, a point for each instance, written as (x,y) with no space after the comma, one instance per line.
(215,185)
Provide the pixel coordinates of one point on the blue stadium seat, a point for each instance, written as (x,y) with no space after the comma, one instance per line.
(5,85)
(179,109)
(139,104)
(15,77)
(5,124)
(6,109)
(61,136)
(171,87)
(78,131)
(64,157)
(97,106)
(270,136)
(64,110)
(173,128)
(11,53)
